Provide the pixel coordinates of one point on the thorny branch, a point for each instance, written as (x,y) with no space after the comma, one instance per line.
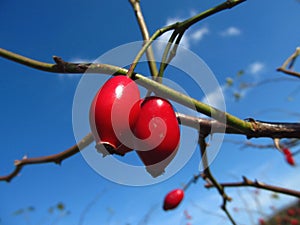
(257,184)
(56,158)
(261,128)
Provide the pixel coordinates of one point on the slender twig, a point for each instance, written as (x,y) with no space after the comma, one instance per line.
(257,211)
(247,208)
(245,85)
(193,180)
(145,33)
(207,175)
(89,206)
(289,143)
(291,60)
(173,51)
(163,63)
(287,66)
(246,182)
(56,158)
(289,72)
(145,219)
(146,45)
(180,27)
(209,212)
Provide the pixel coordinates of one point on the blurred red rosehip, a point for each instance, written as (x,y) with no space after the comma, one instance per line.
(173,199)
(261,221)
(291,212)
(289,156)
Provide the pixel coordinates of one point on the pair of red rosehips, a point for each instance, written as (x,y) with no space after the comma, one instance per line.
(120,122)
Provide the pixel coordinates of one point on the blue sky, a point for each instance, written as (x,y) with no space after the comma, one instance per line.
(36,112)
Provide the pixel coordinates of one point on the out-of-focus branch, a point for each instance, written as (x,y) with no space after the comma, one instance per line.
(289,143)
(56,158)
(145,33)
(207,175)
(249,183)
(287,66)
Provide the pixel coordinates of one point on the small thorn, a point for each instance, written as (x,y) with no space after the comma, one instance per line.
(17,162)
(277,144)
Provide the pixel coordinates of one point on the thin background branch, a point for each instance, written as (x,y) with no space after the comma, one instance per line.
(257,184)
(56,158)
(287,66)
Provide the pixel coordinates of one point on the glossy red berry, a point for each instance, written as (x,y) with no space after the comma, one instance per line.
(158,130)
(113,113)
(261,221)
(173,199)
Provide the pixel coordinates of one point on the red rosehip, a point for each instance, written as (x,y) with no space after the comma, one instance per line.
(290,160)
(294,222)
(291,212)
(173,199)
(113,113)
(286,151)
(261,221)
(289,156)
(158,130)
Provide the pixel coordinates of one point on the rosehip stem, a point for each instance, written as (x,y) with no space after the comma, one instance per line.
(191,181)
(145,33)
